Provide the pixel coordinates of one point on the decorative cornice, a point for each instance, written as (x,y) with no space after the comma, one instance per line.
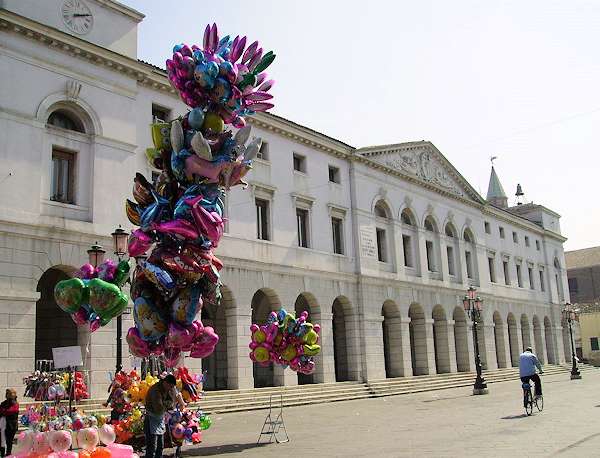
(123,9)
(300,134)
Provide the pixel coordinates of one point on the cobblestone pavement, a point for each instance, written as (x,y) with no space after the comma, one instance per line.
(448,423)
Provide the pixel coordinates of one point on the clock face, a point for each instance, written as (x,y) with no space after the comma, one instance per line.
(77,16)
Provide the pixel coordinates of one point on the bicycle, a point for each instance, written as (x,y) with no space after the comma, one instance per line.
(529,400)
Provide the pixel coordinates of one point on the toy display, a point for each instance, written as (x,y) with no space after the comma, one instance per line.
(54,386)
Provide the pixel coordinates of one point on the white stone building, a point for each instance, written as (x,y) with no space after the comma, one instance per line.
(378,243)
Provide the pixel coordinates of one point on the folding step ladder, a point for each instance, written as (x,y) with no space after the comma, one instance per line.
(274,427)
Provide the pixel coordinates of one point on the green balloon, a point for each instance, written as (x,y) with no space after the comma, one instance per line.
(104,296)
(70,294)
(122,273)
(205,422)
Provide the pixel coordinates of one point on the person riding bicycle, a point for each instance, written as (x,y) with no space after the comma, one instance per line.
(527,364)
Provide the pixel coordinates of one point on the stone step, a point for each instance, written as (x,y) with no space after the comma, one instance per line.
(250,399)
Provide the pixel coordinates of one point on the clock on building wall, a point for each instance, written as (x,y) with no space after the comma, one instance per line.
(77,16)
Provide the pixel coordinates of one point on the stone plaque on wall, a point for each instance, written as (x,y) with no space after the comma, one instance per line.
(368,243)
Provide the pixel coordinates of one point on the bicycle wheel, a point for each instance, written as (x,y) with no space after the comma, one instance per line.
(528,402)
(539,403)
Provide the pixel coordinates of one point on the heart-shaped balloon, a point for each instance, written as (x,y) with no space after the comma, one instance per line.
(180,336)
(69,294)
(105,297)
(137,346)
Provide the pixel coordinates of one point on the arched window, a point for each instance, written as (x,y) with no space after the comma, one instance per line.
(406,217)
(381,209)
(431,245)
(430,224)
(469,260)
(65,120)
(558,278)
(451,250)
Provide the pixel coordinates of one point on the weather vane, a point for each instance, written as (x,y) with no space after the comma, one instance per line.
(492,159)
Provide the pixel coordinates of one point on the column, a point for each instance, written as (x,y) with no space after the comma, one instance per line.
(560,346)
(395,350)
(284,377)
(324,361)
(398,247)
(542,352)
(353,348)
(490,348)
(462,263)
(451,346)
(470,346)
(421,252)
(430,346)
(372,346)
(507,346)
(405,345)
(520,346)
(444,259)
(239,365)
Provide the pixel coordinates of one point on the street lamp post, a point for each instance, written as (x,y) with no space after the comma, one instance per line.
(473,306)
(569,314)
(120,249)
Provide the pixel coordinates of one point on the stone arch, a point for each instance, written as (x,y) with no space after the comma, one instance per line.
(264,301)
(76,106)
(461,341)
(381,204)
(306,302)
(538,339)
(392,339)
(430,221)
(525,331)
(549,336)
(343,332)
(499,341)
(566,341)
(513,339)
(407,216)
(440,340)
(216,366)
(418,340)
(53,326)
(450,230)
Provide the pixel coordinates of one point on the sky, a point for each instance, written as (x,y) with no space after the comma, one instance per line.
(514,79)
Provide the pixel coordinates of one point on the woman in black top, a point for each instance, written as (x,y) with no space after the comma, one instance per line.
(9,413)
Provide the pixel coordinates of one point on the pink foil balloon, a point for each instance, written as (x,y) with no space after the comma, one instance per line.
(139,242)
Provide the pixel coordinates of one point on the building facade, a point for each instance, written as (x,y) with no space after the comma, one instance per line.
(379,244)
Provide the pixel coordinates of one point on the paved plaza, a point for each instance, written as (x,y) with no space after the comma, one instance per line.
(448,423)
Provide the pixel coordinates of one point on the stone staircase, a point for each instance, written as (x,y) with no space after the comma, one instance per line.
(258,398)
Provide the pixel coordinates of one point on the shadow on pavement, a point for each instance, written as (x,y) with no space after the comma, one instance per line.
(514,417)
(220,449)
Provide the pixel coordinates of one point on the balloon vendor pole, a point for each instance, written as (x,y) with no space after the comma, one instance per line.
(71,387)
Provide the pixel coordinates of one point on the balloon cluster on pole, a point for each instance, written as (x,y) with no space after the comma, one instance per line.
(180,213)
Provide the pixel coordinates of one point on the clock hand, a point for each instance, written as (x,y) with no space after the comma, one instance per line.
(81,15)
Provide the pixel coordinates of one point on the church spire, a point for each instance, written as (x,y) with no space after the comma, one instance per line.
(495,194)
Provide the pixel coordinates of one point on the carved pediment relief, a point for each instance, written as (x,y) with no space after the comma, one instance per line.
(422,164)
